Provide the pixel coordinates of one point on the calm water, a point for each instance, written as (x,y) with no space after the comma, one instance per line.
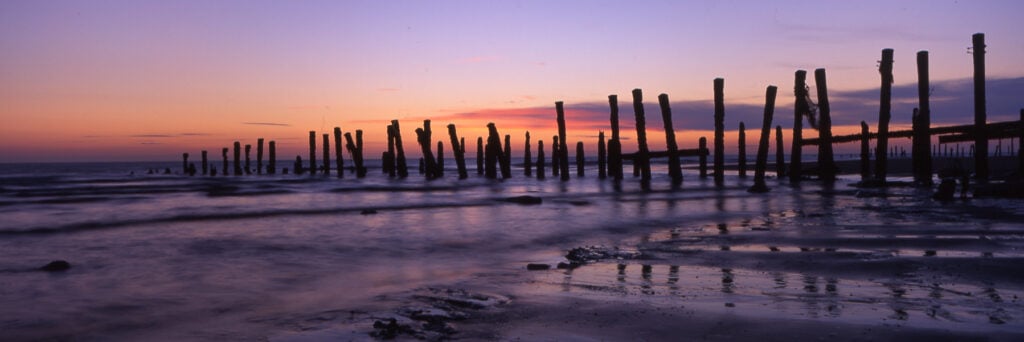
(172,257)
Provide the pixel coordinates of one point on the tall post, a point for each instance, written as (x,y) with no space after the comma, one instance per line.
(527,158)
(272,157)
(719,85)
(493,151)
(358,161)
(312,153)
(248,164)
(460,154)
(762,146)
(884,115)
(922,140)
(224,155)
(780,154)
(865,153)
(826,161)
(800,108)
(388,160)
(1020,144)
(614,144)
(206,165)
(702,153)
(674,169)
(338,158)
(540,159)
(563,149)
(259,156)
(479,155)
(440,160)
(506,157)
(980,133)
(602,162)
(643,155)
(327,154)
(423,136)
(403,169)
(742,151)
(580,160)
(238,157)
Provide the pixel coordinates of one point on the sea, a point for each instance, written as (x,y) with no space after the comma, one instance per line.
(167,256)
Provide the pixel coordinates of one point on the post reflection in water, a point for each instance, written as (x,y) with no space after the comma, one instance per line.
(645,285)
(727,281)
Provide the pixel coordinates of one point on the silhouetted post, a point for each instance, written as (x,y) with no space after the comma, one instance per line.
(350,145)
(338,158)
(460,154)
(674,169)
(272,157)
(259,156)
(884,115)
(642,157)
(224,154)
(423,136)
(492,151)
(762,146)
(563,149)
(440,160)
(1020,144)
(248,165)
(298,166)
(540,159)
(800,108)
(555,168)
(403,169)
(479,155)
(238,158)
(506,164)
(184,163)
(527,158)
(826,161)
(579,159)
(206,165)
(327,154)
(312,152)
(742,151)
(980,133)
(601,156)
(702,156)
(865,153)
(780,154)
(358,160)
(389,155)
(719,85)
(922,136)
(615,143)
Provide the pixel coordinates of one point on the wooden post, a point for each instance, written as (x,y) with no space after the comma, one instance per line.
(389,155)
(702,156)
(506,157)
(742,151)
(238,158)
(358,161)
(206,165)
(298,166)
(184,163)
(259,156)
(719,85)
(674,169)
(555,168)
(762,146)
(312,152)
(643,155)
(563,149)
(327,153)
(272,156)
(1020,144)
(579,159)
(527,158)
(440,160)
(224,154)
(479,155)
(614,144)
(540,159)
(884,115)
(865,153)
(248,164)
(602,152)
(492,151)
(780,154)
(339,160)
(800,108)
(826,161)
(460,154)
(922,140)
(403,169)
(980,133)
(423,136)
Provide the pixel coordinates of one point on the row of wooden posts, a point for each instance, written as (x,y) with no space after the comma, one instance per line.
(493,157)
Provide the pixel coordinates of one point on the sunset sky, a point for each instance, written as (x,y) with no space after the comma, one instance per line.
(147,80)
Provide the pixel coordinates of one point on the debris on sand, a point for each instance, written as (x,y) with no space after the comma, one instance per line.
(56,266)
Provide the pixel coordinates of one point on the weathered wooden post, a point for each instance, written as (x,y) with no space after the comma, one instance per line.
(493,151)
(555,168)
(602,152)
(248,164)
(298,166)
(922,135)
(423,136)
(272,157)
(719,85)
(643,154)
(780,153)
(674,169)
(259,156)
(702,156)
(358,160)
(742,151)
(238,158)
(884,115)
(224,155)
(184,163)
(826,161)
(312,152)
(206,165)
(980,133)
(327,154)
(403,169)
(865,153)
(615,144)
(579,159)
(563,149)
(540,159)
(506,157)
(460,154)
(1020,144)
(440,160)
(339,160)
(762,146)
(389,155)
(800,108)
(479,155)
(527,158)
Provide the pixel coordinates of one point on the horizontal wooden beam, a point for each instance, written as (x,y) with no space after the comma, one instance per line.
(692,152)
(996,130)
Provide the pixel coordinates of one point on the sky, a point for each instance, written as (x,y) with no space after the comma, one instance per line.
(147,80)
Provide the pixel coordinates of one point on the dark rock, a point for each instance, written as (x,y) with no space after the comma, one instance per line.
(390,330)
(56,266)
(538,267)
(527,200)
(566,266)
(946,190)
